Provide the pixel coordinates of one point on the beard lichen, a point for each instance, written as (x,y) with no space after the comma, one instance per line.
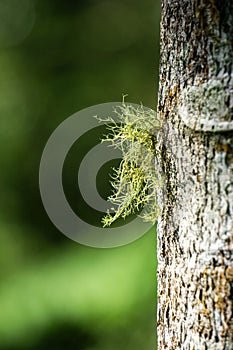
(135,181)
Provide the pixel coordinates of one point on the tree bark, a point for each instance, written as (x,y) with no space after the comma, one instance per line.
(195,230)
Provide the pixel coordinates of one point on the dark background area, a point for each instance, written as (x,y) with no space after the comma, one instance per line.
(56,58)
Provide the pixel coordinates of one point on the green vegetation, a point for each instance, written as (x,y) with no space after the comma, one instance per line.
(103,292)
(54,293)
(135,181)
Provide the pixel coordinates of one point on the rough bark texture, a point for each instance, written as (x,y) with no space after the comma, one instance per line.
(195,231)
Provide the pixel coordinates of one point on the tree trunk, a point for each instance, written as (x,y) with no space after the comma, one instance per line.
(195,230)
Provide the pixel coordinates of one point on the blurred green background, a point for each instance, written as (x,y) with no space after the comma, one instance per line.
(58,57)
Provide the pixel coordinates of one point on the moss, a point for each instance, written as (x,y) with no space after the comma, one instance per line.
(135,181)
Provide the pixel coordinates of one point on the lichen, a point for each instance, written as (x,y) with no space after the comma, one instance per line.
(135,181)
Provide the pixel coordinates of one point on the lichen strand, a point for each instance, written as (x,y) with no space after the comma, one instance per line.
(135,182)
(195,230)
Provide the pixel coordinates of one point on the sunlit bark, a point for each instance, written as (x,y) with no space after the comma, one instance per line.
(195,231)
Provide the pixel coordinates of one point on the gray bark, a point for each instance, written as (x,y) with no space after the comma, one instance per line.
(195,230)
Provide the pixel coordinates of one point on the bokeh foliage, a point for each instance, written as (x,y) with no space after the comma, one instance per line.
(55,60)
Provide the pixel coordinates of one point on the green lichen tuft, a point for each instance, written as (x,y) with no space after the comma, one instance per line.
(135,181)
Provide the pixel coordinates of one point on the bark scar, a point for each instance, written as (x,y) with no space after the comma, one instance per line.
(205,107)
